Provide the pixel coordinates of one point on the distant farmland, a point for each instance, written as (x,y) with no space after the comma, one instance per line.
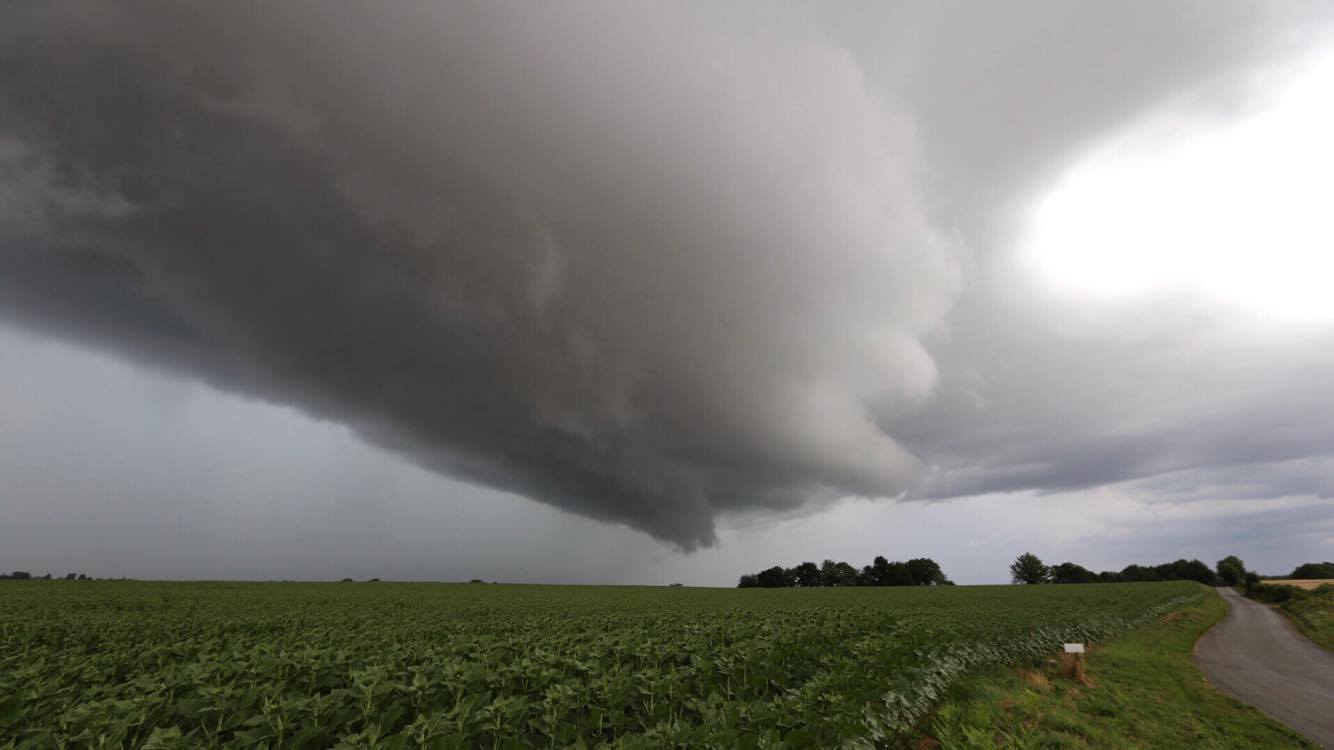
(457,665)
(1302,583)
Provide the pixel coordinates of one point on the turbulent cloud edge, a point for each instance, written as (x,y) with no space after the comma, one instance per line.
(615,259)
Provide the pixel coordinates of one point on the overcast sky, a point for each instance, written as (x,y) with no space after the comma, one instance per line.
(637,293)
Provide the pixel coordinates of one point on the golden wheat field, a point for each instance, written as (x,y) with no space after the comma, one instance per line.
(1310,583)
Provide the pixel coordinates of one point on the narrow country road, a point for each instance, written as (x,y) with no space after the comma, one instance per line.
(1258,657)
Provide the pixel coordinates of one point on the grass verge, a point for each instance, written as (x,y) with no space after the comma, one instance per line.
(1143,691)
(1313,614)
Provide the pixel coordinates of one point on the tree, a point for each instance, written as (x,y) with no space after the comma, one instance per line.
(1110,576)
(1140,573)
(844,575)
(837,574)
(748,581)
(1314,571)
(880,571)
(1068,572)
(898,574)
(773,578)
(21,575)
(885,573)
(1185,570)
(866,576)
(806,574)
(1231,570)
(1027,568)
(827,572)
(926,572)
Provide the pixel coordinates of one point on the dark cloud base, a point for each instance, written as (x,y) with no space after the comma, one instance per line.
(608,259)
(645,264)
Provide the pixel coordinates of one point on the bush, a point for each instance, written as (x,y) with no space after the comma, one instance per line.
(1273,594)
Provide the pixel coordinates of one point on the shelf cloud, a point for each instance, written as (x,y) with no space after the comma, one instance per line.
(613,258)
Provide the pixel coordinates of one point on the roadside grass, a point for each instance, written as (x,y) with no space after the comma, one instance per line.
(1143,691)
(1313,614)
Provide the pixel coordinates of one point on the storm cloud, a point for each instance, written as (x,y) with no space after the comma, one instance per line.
(615,258)
(299,289)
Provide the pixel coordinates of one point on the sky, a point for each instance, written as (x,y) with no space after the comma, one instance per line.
(644,293)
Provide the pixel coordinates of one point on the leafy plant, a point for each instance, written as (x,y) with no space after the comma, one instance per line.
(288,665)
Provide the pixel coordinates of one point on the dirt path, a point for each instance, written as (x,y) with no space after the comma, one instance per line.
(1256,656)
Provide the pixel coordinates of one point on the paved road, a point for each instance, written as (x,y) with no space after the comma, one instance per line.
(1258,657)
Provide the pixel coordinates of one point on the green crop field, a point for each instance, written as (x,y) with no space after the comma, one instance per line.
(351,665)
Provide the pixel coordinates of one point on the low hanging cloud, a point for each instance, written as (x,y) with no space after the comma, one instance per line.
(609,257)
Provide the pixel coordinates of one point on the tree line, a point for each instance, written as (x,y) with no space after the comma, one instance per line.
(1230,571)
(1314,571)
(23,575)
(1265,589)
(1029,568)
(920,571)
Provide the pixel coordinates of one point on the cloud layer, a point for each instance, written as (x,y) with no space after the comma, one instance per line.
(612,258)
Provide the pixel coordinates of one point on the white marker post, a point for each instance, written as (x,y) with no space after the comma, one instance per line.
(1072,661)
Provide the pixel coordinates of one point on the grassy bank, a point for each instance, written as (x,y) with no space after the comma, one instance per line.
(1313,613)
(1144,691)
